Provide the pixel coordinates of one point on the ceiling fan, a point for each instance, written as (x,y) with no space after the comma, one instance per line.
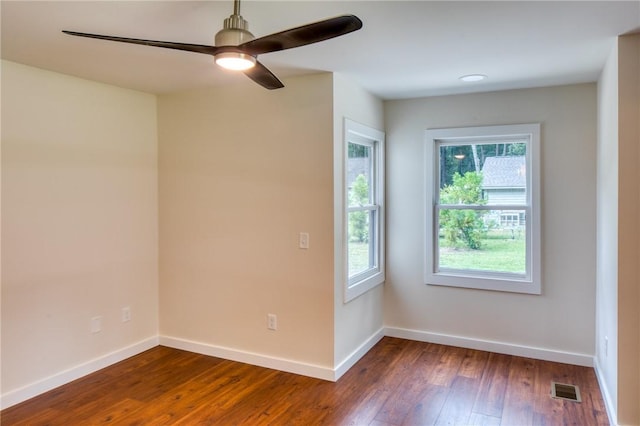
(237,49)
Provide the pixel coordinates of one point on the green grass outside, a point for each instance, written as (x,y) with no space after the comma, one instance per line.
(358,257)
(501,251)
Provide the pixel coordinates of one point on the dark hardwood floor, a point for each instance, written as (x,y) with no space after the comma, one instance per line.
(399,382)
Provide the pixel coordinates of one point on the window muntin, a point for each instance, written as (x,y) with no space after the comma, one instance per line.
(364,214)
(483,208)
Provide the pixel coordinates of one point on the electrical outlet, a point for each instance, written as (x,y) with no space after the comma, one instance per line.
(126,314)
(272,322)
(303,240)
(96,324)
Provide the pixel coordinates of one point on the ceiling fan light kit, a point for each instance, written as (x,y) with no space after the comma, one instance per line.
(237,49)
(235,61)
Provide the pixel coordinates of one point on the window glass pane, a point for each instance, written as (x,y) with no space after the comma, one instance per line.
(483,173)
(485,208)
(359,175)
(482,240)
(360,245)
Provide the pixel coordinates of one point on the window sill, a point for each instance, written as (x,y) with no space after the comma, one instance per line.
(484,283)
(359,288)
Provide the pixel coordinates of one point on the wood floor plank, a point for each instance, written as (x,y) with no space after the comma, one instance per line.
(110,413)
(350,388)
(519,397)
(399,382)
(493,386)
(230,397)
(428,409)
(594,409)
(45,416)
(477,419)
(365,412)
(448,365)
(257,407)
(409,386)
(548,411)
(473,364)
(459,404)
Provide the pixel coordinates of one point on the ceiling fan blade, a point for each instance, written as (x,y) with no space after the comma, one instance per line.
(301,36)
(265,78)
(198,48)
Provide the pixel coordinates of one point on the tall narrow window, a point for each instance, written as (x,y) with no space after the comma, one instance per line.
(483,208)
(364,215)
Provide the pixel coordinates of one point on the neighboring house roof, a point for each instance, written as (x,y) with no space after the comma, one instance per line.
(504,172)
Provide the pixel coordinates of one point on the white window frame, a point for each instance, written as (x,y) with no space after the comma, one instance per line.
(530,282)
(364,281)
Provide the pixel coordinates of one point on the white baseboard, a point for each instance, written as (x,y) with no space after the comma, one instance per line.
(321,372)
(492,346)
(606,395)
(29,391)
(282,364)
(355,356)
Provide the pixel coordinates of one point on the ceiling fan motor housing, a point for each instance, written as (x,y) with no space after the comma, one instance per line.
(234,32)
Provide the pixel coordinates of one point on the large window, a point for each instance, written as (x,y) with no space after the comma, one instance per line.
(364,212)
(483,208)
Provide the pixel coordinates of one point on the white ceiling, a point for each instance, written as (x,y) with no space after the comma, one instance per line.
(405,48)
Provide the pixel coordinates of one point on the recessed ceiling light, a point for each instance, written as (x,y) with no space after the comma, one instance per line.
(473,77)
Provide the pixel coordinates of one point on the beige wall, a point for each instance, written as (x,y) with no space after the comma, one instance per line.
(568,145)
(242,172)
(79,221)
(361,318)
(628,230)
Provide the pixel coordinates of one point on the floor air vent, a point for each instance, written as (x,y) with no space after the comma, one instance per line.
(564,391)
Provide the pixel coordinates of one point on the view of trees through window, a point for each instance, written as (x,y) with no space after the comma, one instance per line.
(361,209)
(362,203)
(482,207)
